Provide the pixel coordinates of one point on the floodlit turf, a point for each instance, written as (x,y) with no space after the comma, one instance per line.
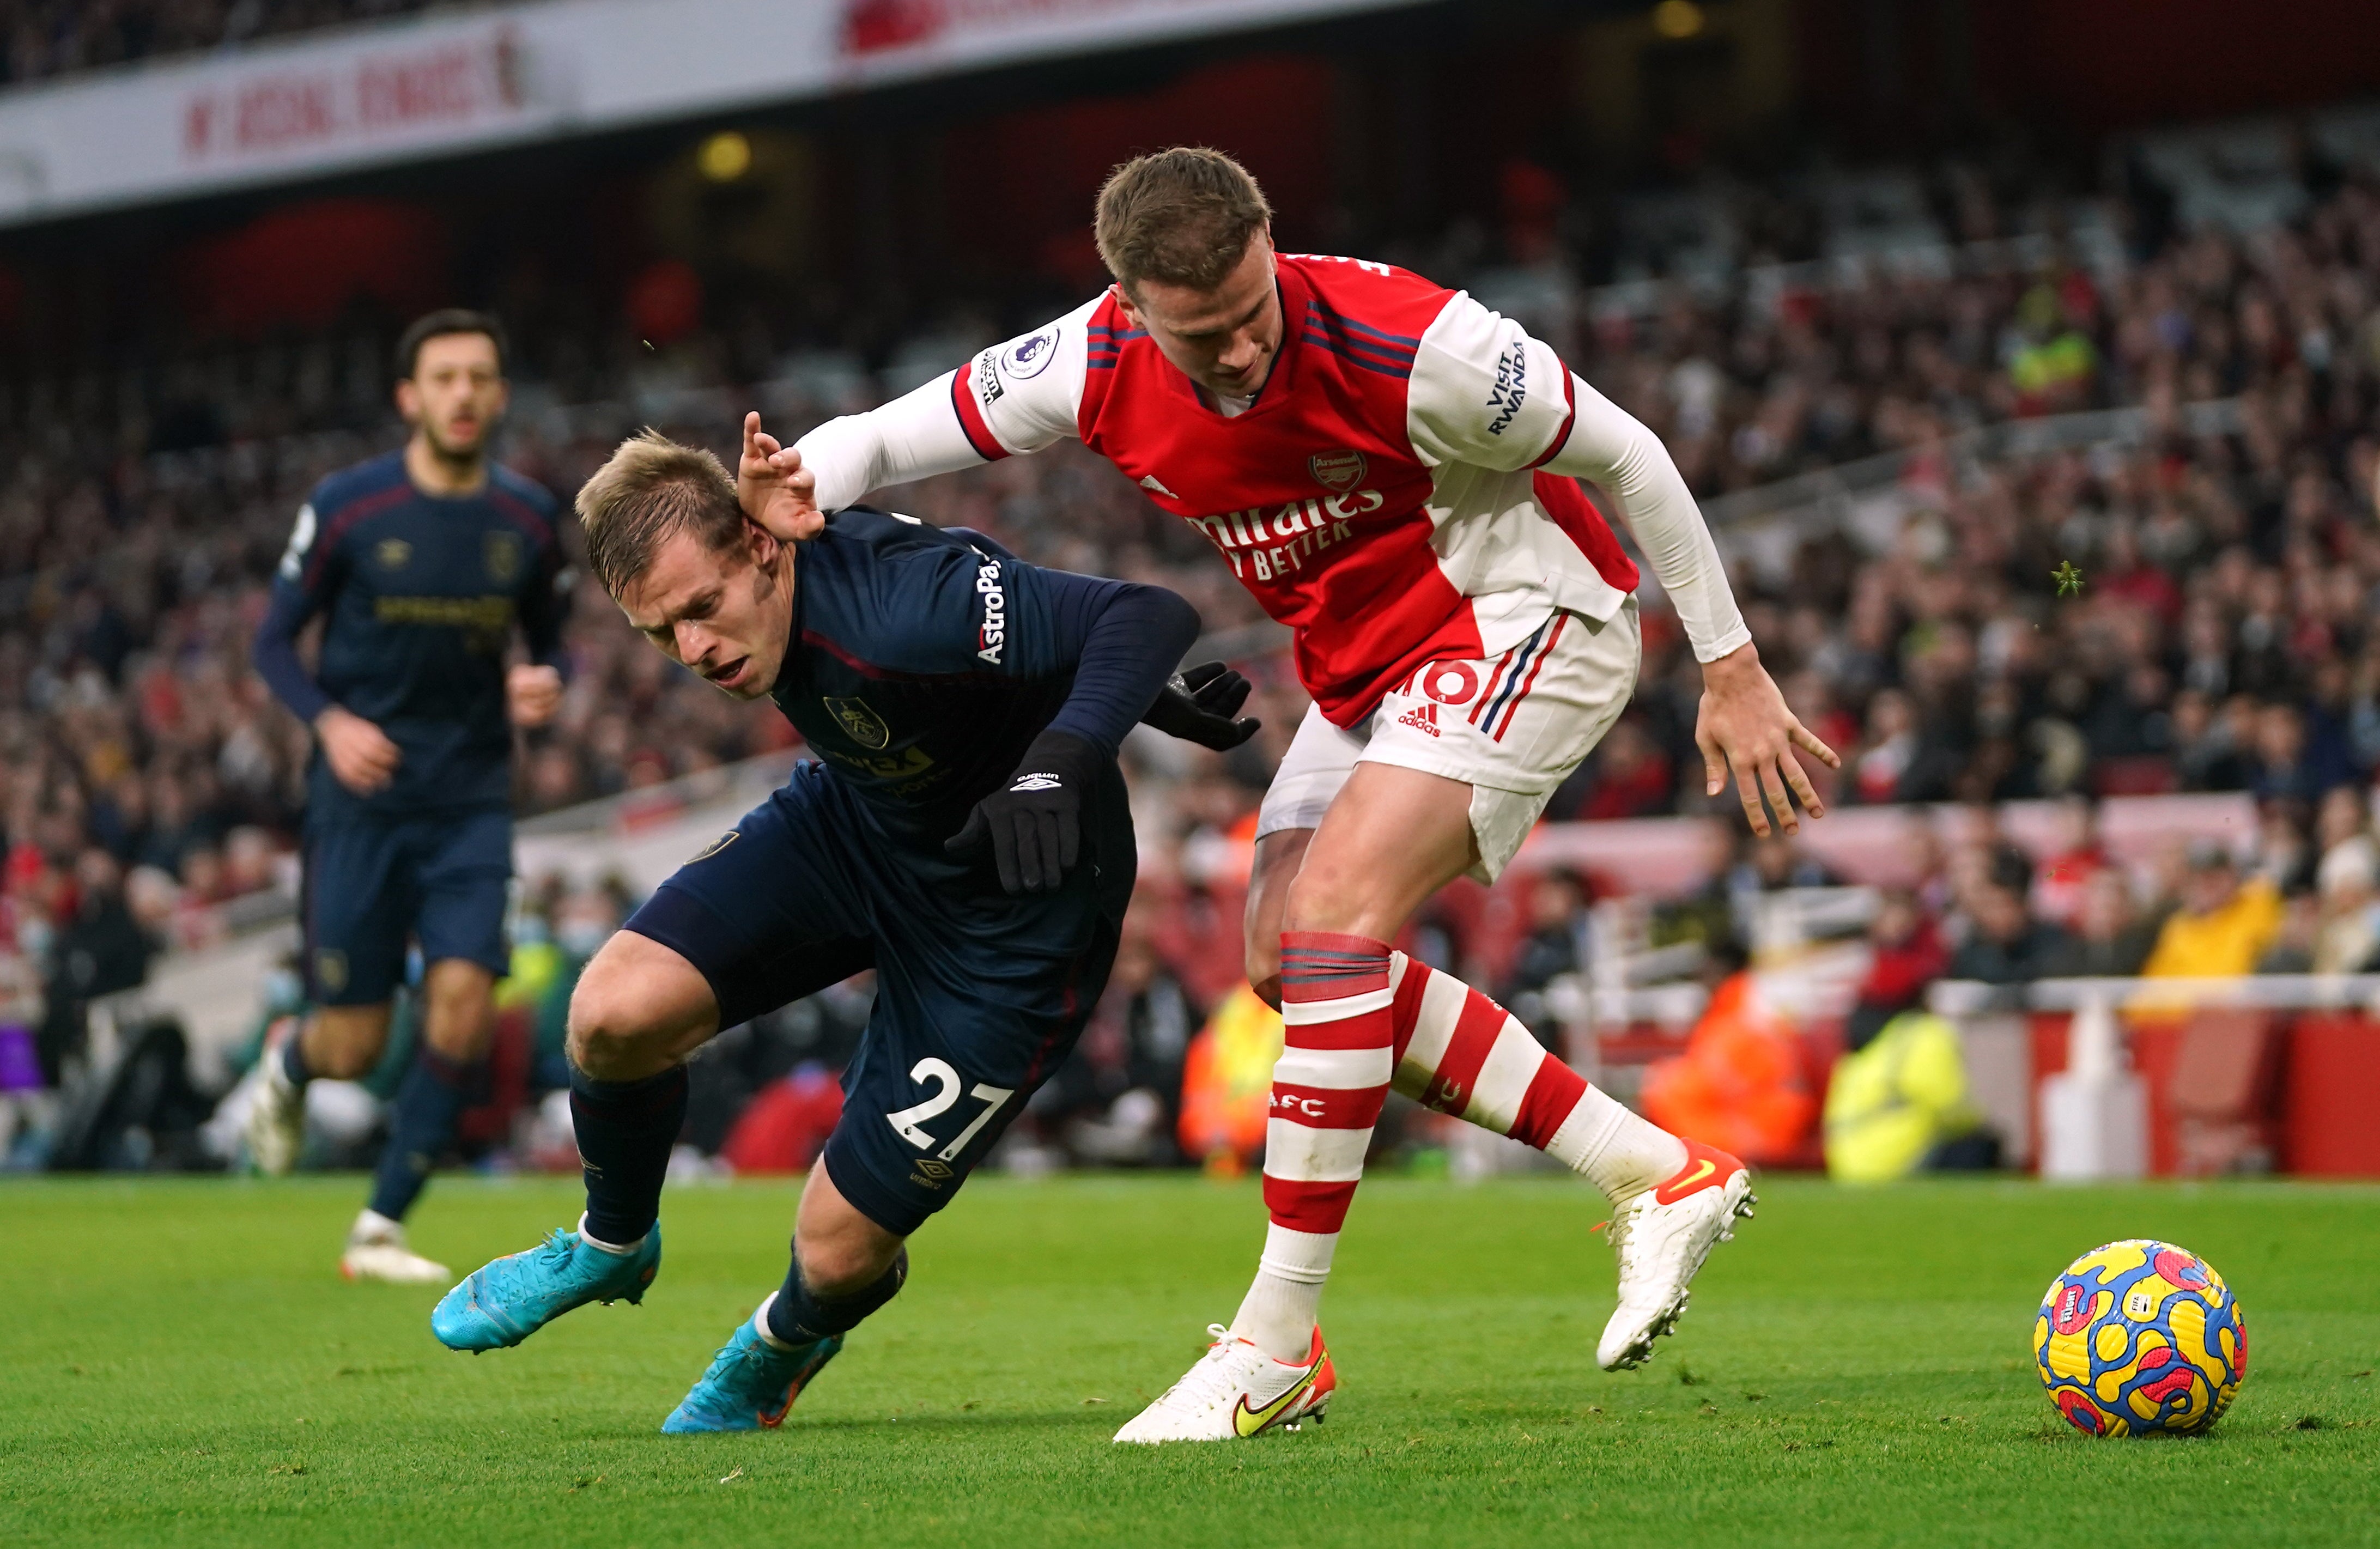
(180,1364)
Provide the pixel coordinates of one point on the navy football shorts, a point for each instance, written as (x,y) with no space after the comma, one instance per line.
(980,996)
(371,881)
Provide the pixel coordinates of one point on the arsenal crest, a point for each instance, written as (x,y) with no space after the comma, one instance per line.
(1340,471)
(866,727)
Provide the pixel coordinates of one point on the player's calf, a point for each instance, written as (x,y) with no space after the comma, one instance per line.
(1673,1201)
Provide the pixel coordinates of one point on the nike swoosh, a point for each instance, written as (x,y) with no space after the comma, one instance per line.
(1242,1415)
(1670,1194)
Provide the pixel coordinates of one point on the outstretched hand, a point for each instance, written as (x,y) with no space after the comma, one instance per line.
(776,492)
(1745,725)
(1201,705)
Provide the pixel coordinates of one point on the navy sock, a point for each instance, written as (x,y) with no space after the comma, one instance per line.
(626,1130)
(293,1059)
(420,1122)
(800,1319)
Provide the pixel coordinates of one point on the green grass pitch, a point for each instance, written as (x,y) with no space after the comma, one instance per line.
(180,1364)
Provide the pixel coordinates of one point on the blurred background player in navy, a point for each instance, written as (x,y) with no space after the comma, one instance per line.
(964,833)
(423,563)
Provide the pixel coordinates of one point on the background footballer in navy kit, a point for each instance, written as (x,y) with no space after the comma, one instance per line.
(424,564)
(963,831)
(420,594)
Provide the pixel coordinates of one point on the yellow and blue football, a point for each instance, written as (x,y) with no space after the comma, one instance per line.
(2140,1338)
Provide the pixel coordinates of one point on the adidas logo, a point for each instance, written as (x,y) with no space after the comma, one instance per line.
(1037,782)
(1421,717)
(1152,482)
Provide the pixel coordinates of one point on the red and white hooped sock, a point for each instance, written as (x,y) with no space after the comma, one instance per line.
(1326,1091)
(1461,1053)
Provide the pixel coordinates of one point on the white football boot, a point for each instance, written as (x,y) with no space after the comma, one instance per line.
(277,1117)
(1662,1236)
(1237,1390)
(376,1251)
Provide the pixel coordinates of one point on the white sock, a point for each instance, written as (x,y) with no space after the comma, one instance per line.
(1620,1153)
(761,1323)
(621,1248)
(373,1227)
(1279,1313)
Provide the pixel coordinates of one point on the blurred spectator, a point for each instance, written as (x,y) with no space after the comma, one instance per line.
(1556,945)
(1759,867)
(1227,1084)
(2006,945)
(1905,955)
(2224,925)
(2108,938)
(2294,939)
(99,950)
(2075,859)
(1900,1103)
(1117,1099)
(1628,776)
(1739,1085)
(2348,885)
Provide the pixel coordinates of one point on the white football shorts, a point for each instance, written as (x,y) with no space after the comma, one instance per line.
(1513,728)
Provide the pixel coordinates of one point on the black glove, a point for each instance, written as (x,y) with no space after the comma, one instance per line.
(1035,821)
(1198,706)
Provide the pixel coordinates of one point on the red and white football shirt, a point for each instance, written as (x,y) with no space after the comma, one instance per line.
(1388,495)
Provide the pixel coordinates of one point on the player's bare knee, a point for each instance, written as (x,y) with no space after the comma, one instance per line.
(607,1039)
(345,1041)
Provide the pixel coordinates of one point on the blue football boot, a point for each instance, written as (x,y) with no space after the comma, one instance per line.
(750,1385)
(506,1302)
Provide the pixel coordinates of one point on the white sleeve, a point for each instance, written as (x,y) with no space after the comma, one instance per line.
(1018,396)
(915,434)
(1487,393)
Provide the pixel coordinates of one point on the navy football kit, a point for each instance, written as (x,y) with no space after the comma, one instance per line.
(925,663)
(421,593)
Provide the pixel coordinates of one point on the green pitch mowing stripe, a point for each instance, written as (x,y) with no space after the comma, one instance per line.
(179,1363)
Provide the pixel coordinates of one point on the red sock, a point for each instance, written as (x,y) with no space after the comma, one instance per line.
(1461,1053)
(1332,1077)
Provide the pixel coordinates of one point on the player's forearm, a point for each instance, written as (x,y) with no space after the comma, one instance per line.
(274,655)
(1609,448)
(913,436)
(1132,638)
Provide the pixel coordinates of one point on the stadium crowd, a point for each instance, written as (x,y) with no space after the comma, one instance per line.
(44,39)
(2218,640)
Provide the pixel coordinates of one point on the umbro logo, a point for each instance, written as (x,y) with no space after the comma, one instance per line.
(1037,782)
(1152,482)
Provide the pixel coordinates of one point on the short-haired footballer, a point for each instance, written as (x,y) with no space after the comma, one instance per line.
(965,833)
(1393,470)
(424,564)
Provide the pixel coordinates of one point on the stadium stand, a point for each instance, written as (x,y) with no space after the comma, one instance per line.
(2177,393)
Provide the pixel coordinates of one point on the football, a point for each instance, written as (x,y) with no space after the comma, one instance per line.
(2140,1338)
